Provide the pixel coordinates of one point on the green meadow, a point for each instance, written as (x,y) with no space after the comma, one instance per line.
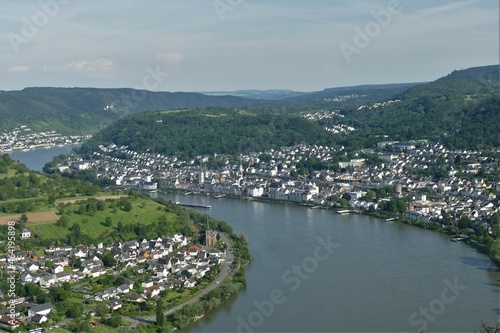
(111,221)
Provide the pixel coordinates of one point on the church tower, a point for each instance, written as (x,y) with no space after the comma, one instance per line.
(210,236)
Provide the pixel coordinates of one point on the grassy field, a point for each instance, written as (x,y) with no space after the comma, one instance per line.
(11,173)
(143,211)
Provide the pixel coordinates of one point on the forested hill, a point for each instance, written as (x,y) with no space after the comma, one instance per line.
(461,110)
(356,94)
(86,110)
(195,132)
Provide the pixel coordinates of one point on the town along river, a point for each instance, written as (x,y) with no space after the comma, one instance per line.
(375,277)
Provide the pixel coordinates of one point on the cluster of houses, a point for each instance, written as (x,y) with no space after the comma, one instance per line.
(343,98)
(327,114)
(249,175)
(170,262)
(23,138)
(37,313)
(379,104)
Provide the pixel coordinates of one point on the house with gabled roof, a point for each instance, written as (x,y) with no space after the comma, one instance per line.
(47,280)
(124,289)
(97,271)
(136,298)
(29,277)
(33,267)
(41,309)
(63,277)
(115,304)
(151,292)
(39,319)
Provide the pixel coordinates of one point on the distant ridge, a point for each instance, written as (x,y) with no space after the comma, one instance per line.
(474,73)
(86,110)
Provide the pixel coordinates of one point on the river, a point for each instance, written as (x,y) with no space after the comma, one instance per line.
(37,158)
(316,271)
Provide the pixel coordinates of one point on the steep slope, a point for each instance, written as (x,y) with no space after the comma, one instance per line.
(86,110)
(196,132)
(461,109)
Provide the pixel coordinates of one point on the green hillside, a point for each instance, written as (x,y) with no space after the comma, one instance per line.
(462,110)
(23,190)
(86,110)
(196,132)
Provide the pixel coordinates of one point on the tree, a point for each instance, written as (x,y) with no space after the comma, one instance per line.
(160,316)
(108,259)
(23,219)
(370,196)
(495,219)
(101,309)
(63,221)
(127,206)
(101,205)
(79,325)
(107,222)
(74,310)
(465,222)
(243,239)
(114,321)
(186,273)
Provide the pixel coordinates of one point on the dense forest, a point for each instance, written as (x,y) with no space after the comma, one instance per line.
(191,133)
(87,110)
(461,110)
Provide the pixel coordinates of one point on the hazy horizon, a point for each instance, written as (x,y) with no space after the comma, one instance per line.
(229,45)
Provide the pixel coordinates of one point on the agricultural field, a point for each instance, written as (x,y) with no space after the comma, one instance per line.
(104,220)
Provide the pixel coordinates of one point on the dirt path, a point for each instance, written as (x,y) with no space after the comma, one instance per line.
(104,197)
(32,217)
(51,215)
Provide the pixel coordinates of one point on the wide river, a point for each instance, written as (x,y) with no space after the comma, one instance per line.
(316,271)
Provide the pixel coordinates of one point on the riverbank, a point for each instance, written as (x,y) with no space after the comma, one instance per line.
(434,227)
(377,214)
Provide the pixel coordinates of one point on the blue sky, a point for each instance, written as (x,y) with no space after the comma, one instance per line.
(212,45)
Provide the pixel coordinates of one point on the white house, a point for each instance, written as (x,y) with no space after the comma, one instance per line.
(57,269)
(41,309)
(39,319)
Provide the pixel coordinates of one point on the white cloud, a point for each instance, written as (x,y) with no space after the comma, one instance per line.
(18,69)
(442,8)
(99,66)
(172,58)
